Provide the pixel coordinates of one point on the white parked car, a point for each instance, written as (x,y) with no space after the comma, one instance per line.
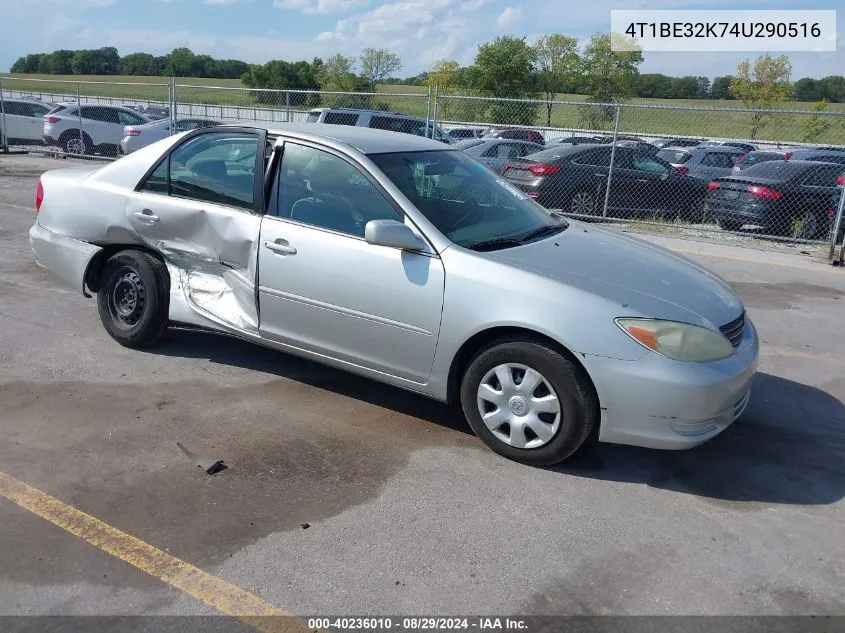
(379,120)
(23,120)
(137,136)
(102,127)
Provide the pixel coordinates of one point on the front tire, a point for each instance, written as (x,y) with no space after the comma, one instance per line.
(528,402)
(133,300)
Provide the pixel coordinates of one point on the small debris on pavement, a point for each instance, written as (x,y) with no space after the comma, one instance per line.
(210,466)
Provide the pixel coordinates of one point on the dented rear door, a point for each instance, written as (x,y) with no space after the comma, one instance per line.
(201,209)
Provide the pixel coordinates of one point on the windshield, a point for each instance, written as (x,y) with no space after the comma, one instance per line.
(467,202)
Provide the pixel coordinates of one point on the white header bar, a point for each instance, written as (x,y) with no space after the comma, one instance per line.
(724,30)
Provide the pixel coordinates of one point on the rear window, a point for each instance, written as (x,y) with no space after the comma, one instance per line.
(341,118)
(678,157)
(775,170)
(760,157)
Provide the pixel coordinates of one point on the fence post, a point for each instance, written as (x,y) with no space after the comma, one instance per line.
(434,125)
(612,159)
(428,111)
(79,113)
(174,103)
(4,140)
(287,106)
(836,224)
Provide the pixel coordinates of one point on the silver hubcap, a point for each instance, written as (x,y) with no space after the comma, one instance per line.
(519,406)
(75,146)
(582,202)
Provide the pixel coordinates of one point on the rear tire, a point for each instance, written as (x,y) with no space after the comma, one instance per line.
(582,202)
(74,145)
(133,300)
(539,423)
(730,225)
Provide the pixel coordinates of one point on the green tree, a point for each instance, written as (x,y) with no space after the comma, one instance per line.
(721,88)
(505,68)
(137,64)
(610,76)
(337,74)
(557,62)
(816,125)
(833,88)
(377,64)
(444,74)
(807,89)
(762,87)
(281,75)
(703,91)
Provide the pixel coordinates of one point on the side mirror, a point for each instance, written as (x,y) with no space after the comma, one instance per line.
(393,234)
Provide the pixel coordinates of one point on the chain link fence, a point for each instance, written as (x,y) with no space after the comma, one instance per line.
(775,175)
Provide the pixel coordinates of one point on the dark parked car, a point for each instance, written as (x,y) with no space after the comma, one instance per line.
(677,142)
(789,198)
(155,113)
(745,147)
(744,161)
(640,146)
(574,178)
(819,154)
(532,136)
(705,163)
(576,140)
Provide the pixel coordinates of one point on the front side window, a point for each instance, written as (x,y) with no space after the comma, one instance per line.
(323,190)
(502,150)
(218,168)
(467,202)
(718,159)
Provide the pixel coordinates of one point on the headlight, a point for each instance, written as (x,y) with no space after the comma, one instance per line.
(679,341)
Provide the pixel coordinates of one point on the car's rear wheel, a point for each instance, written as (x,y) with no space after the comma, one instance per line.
(811,226)
(583,202)
(133,300)
(528,402)
(729,225)
(73,143)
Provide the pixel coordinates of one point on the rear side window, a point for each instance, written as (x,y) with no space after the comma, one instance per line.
(678,157)
(718,159)
(835,158)
(824,177)
(760,157)
(17,108)
(57,109)
(775,170)
(396,124)
(129,118)
(341,118)
(598,157)
(313,116)
(98,113)
(157,181)
(501,150)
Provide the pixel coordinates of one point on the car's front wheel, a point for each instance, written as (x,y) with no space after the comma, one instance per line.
(133,298)
(528,402)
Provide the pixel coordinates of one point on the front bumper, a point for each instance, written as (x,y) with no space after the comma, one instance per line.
(660,403)
(63,256)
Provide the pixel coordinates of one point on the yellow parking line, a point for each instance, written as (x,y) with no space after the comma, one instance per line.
(781,351)
(18,206)
(210,590)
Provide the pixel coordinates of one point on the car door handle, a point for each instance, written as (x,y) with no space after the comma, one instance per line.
(642,180)
(281,248)
(147,216)
(600,175)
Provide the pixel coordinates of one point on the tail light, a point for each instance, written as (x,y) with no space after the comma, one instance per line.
(508,165)
(683,169)
(543,170)
(713,186)
(764,193)
(831,213)
(39,195)
(738,160)
(787,155)
(131,131)
(840,182)
(52,119)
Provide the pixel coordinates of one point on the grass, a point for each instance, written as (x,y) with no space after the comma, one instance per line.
(713,121)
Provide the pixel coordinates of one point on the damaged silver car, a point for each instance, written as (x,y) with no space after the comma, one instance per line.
(406,261)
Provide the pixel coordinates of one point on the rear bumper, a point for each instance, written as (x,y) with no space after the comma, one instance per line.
(63,256)
(664,404)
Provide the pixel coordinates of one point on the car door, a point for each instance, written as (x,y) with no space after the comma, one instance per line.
(14,120)
(716,163)
(324,289)
(649,184)
(498,155)
(201,207)
(35,121)
(598,161)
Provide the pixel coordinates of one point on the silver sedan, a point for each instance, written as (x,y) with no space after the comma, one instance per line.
(404,260)
(137,136)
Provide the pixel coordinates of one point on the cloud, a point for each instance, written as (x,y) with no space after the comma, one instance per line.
(320,7)
(509,18)
(223,3)
(473,5)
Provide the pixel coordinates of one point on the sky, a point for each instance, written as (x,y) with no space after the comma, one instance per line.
(420,31)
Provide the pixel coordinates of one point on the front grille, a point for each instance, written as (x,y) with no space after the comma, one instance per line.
(734,330)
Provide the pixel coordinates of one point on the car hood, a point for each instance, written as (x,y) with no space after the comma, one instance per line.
(644,278)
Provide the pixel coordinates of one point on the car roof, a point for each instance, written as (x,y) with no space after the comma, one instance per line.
(364,139)
(25,100)
(730,149)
